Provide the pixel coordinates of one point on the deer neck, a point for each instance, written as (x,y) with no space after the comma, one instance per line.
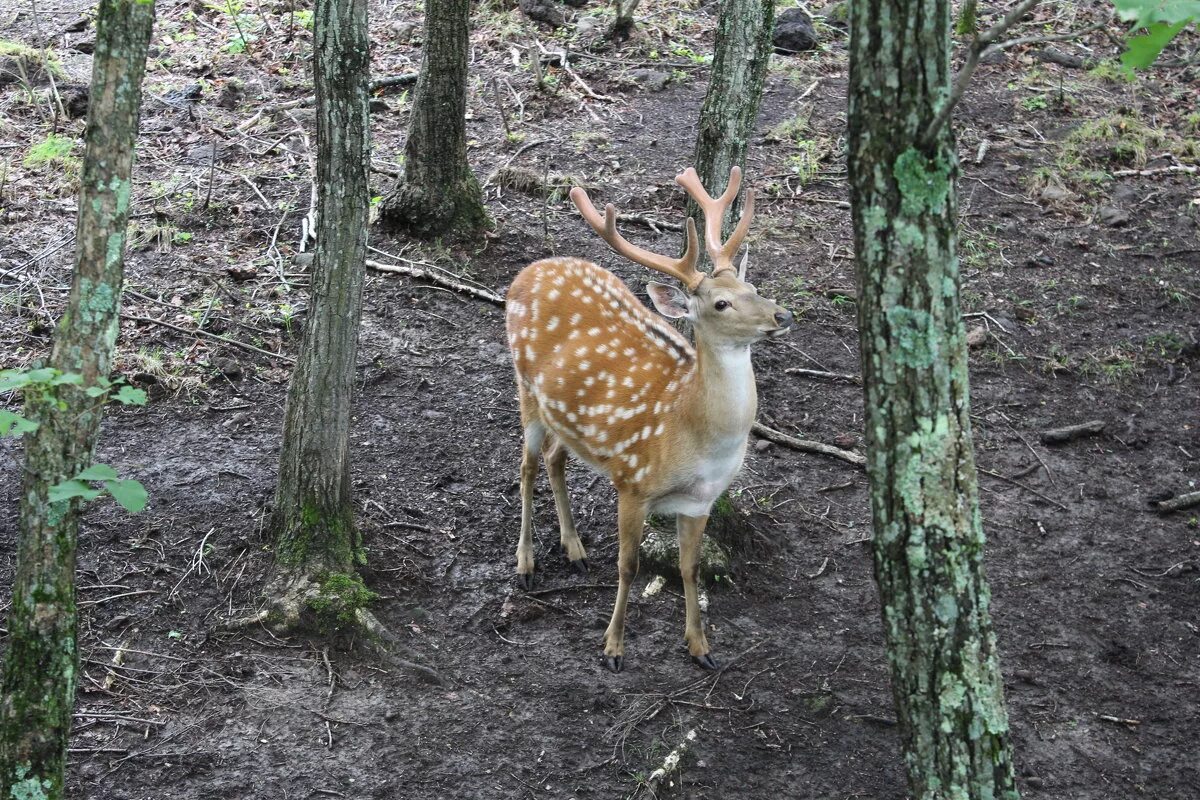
(723,398)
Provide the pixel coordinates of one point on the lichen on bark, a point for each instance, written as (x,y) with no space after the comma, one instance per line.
(929,540)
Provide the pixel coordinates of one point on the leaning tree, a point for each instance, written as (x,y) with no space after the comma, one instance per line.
(40,665)
(438,194)
(928,534)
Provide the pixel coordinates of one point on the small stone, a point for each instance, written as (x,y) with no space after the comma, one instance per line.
(586,26)
(184,94)
(231,94)
(793,32)
(977,337)
(653,80)
(1112,216)
(763,445)
(75,100)
(404,29)
(542,11)
(241,272)
(660,555)
(575,3)
(845,440)
(378,105)
(1024,313)
(1053,193)
(992,57)
(228,368)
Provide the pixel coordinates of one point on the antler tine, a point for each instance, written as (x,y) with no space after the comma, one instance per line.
(714,214)
(683,269)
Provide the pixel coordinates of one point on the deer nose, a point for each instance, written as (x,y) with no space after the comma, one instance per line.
(784,318)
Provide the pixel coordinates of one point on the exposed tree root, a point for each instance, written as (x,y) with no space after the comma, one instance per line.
(299,602)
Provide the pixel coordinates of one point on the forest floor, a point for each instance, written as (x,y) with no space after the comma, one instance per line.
(1080,273)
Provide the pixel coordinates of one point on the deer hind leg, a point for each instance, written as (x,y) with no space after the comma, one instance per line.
(535,431)
(556,466)
(631,515)
(691,532)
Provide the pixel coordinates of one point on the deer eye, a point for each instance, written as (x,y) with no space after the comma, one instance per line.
(721,305)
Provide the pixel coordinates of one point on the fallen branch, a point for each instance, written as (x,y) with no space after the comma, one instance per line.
(1071,432)
(829,376)
(439,280)
(1027,488)
(1178,503)
(807,446)
(670,763)
(1127,173)
(406,79)
(207,335)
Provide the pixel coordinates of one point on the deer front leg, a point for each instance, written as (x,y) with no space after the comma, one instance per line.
(556,466)
(631,516)
(691,531)
(529,471)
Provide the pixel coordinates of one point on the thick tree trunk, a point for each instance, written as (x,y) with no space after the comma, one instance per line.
(929,541)
(743,49)
(313,518)
(438,194)
(40,664)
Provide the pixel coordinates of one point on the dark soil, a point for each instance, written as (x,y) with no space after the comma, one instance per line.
(1084,282)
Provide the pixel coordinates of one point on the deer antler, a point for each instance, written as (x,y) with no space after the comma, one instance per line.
(683,269)
(714,213)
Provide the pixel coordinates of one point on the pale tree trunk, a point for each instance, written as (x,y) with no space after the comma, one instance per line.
(928,541)
(41,661)
(730,110)
(313,519)
(438,194)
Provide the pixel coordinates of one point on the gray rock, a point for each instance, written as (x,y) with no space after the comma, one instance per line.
(793,32)
(660,555)
(1112,216)
(542,11)
(653,80)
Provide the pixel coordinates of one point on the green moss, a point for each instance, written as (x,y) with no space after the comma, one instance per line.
(51,151)
(28,787)
(340,598)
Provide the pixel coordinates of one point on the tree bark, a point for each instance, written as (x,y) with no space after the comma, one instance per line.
(438,194)
(40,664)
(730,110)
(928,542)
(313,519)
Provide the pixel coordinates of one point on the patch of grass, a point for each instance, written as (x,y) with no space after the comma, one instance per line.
(54,150)
(1118,140)
(1111,71)
(977,249)
(1115,363)
(808,146)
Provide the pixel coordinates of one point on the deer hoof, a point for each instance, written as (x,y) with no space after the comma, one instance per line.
(525,580)
(614,663)
(580,567)
(707,662)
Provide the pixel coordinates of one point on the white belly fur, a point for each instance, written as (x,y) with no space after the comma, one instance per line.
(700,489)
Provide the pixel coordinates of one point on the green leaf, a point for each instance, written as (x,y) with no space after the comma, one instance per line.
(97,472)
(131,495)
(43,375)
(1144,48)
(1145,12)
(67,490)
(12,424)
(131,396)
(96,391)
(11,379)
(72,378)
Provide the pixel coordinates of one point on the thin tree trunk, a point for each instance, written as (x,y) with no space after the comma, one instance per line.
(929,541)
(41,662)
(313,518)
(727,119)
(438,194)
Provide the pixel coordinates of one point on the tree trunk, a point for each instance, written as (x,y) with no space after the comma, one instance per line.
(743,49)
(313,520)
(928,542)
(438,194)
(41,661)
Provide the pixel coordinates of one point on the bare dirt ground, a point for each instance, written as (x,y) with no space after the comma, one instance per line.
(1082,278)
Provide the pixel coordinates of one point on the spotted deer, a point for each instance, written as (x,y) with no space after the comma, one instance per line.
(600,376)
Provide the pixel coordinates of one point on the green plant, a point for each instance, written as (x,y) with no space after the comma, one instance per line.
(1035,103)
(47,381)
(54,149)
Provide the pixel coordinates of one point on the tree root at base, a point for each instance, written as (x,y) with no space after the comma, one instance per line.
(298,603)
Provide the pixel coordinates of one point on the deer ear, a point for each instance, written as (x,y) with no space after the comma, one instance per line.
(670,301)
